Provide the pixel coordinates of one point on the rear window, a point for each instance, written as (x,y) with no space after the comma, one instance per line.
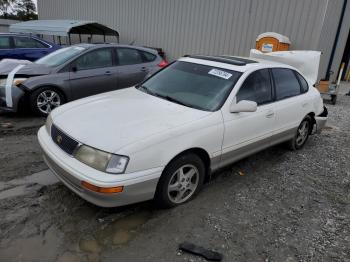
(128,56)
(5,42)
(148,57)
(303,83)
(287,85)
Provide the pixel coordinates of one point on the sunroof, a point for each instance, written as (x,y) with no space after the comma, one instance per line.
(238,61)
(234,58)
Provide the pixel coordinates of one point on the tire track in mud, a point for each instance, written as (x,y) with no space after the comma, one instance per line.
(31,130)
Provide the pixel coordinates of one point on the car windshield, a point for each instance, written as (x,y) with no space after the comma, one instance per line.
(60,56)
(194,85)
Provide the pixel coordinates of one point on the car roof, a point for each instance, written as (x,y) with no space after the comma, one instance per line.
(235,63)
(15,34)
(101,45)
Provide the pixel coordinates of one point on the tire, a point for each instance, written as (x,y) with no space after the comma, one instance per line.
(302,134)
(44,100)
(334,99)
(176,187)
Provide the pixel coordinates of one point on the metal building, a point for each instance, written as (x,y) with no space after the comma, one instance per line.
(216,26)
(5,24)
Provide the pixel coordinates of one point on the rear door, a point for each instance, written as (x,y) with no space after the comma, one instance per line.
(93,73)
(5,47)
(27,48)
(292,103)
(132,67)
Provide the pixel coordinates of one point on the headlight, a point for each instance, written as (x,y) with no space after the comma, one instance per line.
(48,124)
(100,160)
(3,82)
(18,81)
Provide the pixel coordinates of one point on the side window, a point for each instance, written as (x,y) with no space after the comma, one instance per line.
(26,42)
(128,56)
(287,85)
(303,83)
(5,42)
(148,57)
(257,88)
(95,59)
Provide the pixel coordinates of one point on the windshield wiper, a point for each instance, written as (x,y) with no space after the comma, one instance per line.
(171,99)
(166,97)
(146,89)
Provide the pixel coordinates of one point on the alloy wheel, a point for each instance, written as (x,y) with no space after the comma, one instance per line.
(183,184)
(302,133)
(47,101)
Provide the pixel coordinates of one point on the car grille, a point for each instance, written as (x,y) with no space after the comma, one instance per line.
(66,143)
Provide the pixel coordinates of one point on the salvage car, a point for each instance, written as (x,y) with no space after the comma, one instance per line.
(24,47)
(73,72)
(163,138)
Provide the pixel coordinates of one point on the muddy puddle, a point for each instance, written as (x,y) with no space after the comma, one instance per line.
(26,185)
(66,243)
(60,226)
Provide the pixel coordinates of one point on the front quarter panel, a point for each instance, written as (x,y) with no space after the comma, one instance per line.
(159,150)
(57,80)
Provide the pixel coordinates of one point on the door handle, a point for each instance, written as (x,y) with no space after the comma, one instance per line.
(270,114)
(108,73)
(143,69)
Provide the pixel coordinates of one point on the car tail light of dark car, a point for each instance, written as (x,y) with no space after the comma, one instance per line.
(163,63)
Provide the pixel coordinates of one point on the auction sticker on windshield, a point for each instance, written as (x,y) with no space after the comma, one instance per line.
(220,73)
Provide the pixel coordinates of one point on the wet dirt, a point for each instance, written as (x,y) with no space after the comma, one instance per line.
(287,206)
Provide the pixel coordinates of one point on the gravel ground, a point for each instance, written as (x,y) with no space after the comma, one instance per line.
(285,206)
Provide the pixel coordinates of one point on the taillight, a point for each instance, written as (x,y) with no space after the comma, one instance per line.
(163,63)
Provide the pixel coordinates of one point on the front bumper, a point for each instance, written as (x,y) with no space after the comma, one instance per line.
(321,121)
(138,186)
(17,94)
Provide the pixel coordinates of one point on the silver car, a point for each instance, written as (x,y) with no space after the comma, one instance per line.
(73,72)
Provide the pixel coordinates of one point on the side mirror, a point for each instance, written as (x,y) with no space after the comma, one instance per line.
(243,106)
(74,69)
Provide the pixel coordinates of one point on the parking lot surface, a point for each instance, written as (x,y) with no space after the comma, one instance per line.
(276,205)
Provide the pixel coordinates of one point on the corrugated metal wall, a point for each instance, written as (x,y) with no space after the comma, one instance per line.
(5,24)
(328,34)
(205,26)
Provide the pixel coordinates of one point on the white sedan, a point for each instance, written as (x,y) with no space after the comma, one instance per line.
(162,139)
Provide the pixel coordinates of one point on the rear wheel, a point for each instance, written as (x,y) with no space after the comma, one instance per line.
(44,100)
(181,180)
(302,134)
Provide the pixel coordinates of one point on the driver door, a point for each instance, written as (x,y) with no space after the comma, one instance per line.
(248,132)
(93,73)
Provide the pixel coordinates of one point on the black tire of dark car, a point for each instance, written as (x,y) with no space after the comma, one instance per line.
(302,134)
(43,100)
(190,163)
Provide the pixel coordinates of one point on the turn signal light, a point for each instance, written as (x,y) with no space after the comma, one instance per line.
(104,190)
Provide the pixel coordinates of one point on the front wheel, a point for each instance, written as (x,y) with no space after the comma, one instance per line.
(181,180)
(302,134)
(44,100)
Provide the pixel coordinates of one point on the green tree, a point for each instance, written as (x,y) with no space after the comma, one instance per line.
(25,10)
(5,8)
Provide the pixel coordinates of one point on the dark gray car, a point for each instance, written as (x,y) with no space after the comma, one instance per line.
(73,72)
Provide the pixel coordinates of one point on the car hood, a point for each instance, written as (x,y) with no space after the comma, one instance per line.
(7,65)
(113,120)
